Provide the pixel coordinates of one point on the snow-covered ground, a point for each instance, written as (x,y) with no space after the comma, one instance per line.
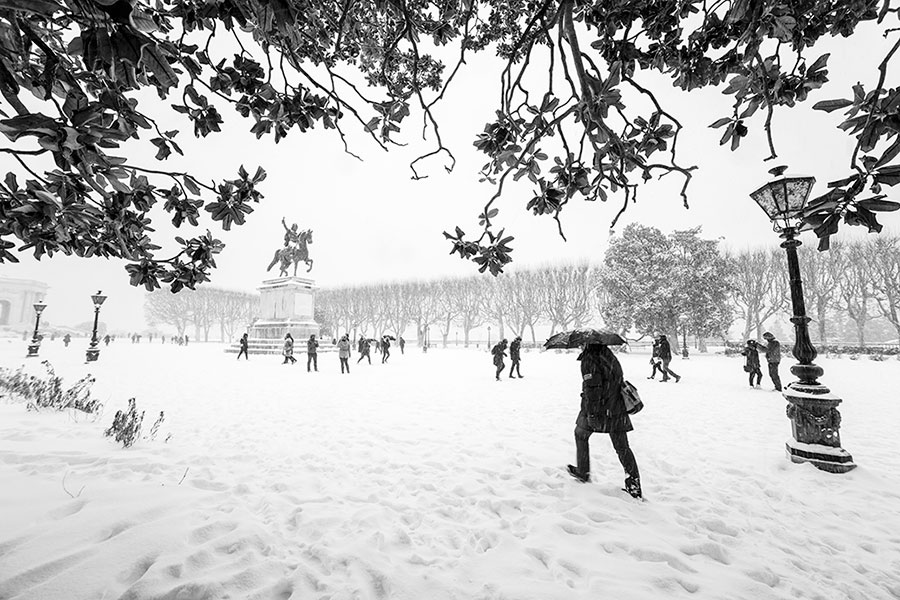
(426,479)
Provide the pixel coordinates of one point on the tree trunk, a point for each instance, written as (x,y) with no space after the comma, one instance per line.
(533,339)
(821,314)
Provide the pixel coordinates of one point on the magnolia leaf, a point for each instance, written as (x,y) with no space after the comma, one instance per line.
(832,105)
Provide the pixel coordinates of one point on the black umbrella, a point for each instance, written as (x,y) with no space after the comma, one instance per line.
(390,337)
(581,337)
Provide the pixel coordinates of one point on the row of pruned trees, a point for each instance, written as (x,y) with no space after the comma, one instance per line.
(855,281)
(560,296)
(205,308)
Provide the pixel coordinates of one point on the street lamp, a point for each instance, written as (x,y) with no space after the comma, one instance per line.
(684,349)
(425,344)
(489,339)
(812,408)
(93,352)
(35,344)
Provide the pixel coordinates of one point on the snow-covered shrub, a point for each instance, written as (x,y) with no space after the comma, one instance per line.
(47,391)
(126,425)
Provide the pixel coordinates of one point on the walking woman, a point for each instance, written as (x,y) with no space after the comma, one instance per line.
(244,345)
(499,351)
(344,353)
(751,352)
(288,349)
(515,357)
(603,411)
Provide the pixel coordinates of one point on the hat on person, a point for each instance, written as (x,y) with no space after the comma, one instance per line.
(768,335)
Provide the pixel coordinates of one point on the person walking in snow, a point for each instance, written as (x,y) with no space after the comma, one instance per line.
(288,349)
(515,357)
(66,339)
(773,358)
(751,364)
(364,350)
(385,348)
(312,353)
(344,353)
(244,345)
(402,343)
(603,411)
(655,360)
(499,351)
(665,355)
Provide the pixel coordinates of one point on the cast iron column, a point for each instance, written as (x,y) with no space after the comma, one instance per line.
(812,408)
(35,344)
(93,352)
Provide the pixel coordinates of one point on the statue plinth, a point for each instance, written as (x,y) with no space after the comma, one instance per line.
(286,305)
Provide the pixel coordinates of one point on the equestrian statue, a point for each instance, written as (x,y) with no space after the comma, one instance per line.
(294,250)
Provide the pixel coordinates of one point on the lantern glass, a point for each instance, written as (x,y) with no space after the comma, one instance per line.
(39,307)
(98,299)
(785,197)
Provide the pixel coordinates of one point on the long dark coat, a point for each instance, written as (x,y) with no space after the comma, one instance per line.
(665,350)
(514,350)
(752,354)
(601,392)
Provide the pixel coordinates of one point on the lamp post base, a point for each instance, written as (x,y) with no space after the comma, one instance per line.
(815,425)
(33,350)
(92,354)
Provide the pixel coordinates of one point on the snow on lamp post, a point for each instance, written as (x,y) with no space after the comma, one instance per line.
(684,349)
(812,408)
(93,352)
(35,344)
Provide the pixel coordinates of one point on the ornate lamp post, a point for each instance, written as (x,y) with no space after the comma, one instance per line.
(93,352)
(489,339)
(812,408)
(425,344)
(35,344)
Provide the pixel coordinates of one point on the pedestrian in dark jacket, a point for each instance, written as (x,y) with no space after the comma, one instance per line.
(515,357)
(312,353)
(655,360)
(402,343)
(244,345)
(603,411)
(344,353)
(773,357)
(751,364)
(499,351)
(385,348)
(665,355)
(66,339)
(364,350)
(288,349)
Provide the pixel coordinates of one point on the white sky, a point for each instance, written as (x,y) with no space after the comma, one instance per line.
(372,222)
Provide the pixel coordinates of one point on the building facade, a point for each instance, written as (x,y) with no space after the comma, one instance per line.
(17,299)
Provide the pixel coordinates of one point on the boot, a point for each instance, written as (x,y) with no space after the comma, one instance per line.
(582,477)
(633,487)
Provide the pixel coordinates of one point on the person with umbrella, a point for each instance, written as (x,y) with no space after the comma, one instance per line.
(602,406)
(499,351)
(514,357)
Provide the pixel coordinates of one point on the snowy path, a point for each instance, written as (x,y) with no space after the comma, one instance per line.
(426,479)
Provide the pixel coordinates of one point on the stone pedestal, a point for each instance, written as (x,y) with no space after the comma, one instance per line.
(815,425)
(286,305)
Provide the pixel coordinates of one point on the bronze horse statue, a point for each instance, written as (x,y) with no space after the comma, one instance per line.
(293,254)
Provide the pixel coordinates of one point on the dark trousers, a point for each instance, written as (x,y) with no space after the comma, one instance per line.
(619,441)
(345,363)
(312,358)
(500,366)
(657,366)
(365,355)
(666,371)
(243,351)
(385,355)
(757,374)
(288,358)
(773,375)
(515,367)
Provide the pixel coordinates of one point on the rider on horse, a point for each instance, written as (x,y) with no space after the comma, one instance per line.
(294,250)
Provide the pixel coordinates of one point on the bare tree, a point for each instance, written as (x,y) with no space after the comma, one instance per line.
(567,292)
(820,272)
(885,273)
(855,285)
(524,296)
(161,307)
(760,287)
